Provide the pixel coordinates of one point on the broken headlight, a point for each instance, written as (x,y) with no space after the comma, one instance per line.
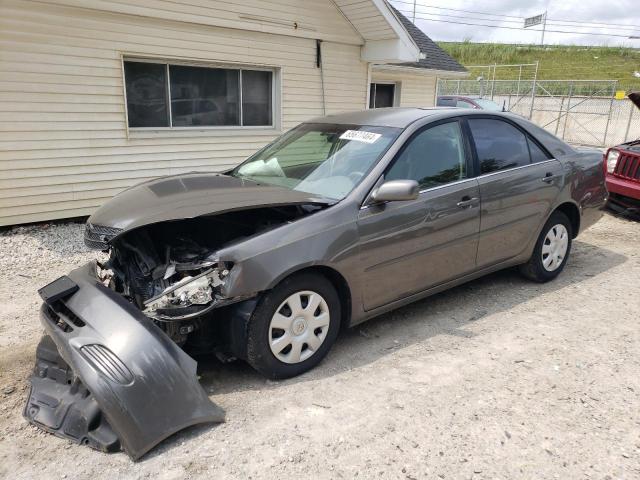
(189,297)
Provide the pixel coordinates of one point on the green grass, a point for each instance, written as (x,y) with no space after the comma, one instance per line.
(566,62)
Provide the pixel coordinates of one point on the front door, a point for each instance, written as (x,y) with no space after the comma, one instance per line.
(409,246)
(519,183)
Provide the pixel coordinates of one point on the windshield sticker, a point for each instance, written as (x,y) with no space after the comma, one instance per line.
(360,136)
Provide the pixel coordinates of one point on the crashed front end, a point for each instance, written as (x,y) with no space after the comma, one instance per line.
(112,371)
(105,375)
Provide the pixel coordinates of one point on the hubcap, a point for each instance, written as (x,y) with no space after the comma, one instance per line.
(554,248)
(299,327)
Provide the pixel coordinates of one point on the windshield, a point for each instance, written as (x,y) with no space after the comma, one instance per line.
(322,159)
(488,104)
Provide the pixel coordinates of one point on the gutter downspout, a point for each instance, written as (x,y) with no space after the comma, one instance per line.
(319,65)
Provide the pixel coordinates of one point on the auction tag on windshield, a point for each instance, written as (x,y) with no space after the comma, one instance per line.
(360,136)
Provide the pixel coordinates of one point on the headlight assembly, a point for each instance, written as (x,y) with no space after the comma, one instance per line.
(612,160)
(191,291)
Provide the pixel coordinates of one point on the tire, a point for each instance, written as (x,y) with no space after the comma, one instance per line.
(549,257)
(273,351)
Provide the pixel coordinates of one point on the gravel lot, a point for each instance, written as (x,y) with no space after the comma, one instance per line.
(499,378)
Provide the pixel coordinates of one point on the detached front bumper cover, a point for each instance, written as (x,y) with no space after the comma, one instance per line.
(106,376)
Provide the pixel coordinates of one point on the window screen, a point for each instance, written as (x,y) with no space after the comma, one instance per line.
(433,157)
(146,85)
(200,96)
(499,144)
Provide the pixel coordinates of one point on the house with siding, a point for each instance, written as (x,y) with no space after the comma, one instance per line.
(98,95)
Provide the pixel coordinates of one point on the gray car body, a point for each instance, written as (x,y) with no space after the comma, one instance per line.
(378,247)
(378,255)
(369,247)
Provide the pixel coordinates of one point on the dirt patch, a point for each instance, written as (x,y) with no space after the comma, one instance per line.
(498,378)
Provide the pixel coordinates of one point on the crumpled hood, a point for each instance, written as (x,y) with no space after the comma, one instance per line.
(191,195)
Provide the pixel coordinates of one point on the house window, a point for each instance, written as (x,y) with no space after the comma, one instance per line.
(161,95)
(382,95)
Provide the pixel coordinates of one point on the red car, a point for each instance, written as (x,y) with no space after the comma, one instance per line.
(622,171)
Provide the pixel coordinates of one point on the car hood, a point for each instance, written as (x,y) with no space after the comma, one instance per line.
(191,195)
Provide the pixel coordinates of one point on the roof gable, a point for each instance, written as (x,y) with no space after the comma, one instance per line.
(435,58)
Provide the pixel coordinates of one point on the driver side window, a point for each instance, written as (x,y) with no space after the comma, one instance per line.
(434,156)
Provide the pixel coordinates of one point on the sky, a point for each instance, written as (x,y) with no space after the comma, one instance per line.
(626,13)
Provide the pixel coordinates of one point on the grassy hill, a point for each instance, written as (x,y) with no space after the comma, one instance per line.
(556,62)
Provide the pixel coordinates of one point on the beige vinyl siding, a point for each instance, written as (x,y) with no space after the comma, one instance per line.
(415,90)
(64,144)
(301,18)
(365,16)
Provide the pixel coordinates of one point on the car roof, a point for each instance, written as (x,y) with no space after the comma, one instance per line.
(403,117)
(466,97)
(386,117)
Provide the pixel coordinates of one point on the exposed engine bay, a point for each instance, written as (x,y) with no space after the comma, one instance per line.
(171,271)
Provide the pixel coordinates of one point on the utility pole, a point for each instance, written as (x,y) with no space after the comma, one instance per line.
(414,11)
(544,23)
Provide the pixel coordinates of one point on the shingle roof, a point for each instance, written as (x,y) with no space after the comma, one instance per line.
(435,57)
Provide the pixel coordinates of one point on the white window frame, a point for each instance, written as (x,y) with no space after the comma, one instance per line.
(276,98)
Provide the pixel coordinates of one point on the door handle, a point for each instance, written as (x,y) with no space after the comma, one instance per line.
(467,201)
(548,177)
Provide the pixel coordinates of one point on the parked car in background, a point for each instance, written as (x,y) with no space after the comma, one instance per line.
(622,166)
(477,103)
(339,220)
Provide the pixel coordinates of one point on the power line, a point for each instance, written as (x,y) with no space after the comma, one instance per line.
(591,24)
(558,22)
(459,10)
(514,28)
(519,22)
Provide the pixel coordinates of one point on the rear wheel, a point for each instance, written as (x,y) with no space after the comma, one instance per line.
(552,250)
(293,326)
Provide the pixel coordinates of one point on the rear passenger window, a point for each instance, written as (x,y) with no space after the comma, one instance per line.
(446,102)
(499,144)
(433,157)
(537,154)
(464,104)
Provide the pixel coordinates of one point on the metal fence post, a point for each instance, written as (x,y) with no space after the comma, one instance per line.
(559,115)
(493,80)
(613,94)
(566,115)
(517,88)
(632,109)
(533,90)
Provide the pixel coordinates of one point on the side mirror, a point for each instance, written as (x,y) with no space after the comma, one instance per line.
(396,190)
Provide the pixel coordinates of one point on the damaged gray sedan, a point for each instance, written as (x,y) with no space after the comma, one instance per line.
(339,220)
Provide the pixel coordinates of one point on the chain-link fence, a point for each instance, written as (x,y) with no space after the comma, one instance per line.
(584,112)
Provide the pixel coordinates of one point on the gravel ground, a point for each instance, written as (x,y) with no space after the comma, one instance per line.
(498,378)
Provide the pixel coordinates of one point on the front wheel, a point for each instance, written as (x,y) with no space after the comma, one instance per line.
(552,250)
(293,326)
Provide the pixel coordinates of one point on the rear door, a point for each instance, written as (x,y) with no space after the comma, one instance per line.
(519,183)
(409,246)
